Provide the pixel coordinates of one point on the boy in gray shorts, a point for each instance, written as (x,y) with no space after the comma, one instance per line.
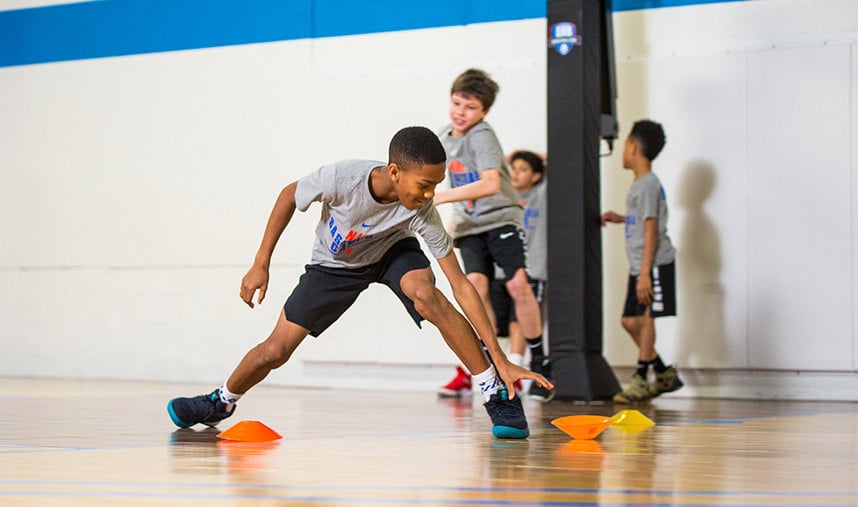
(371,211)
(651,288)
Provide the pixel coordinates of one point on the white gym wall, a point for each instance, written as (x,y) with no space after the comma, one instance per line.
(135,190)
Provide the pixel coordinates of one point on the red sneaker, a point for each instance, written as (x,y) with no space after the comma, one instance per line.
(459,386)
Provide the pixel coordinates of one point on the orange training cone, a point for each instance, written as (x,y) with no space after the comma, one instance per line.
(250,431)
(583,426)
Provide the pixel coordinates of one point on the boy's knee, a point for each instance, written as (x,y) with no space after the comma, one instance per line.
(629,323)
(273,354)
(427,301)
(518,286)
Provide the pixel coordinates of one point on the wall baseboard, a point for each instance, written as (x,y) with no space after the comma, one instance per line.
(699,383)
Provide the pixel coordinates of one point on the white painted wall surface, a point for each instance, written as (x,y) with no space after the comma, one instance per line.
(135,191)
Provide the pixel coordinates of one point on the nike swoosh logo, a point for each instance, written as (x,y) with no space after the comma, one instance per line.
(366,225)
(506,235)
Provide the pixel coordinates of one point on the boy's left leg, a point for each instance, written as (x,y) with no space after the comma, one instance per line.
(319,299)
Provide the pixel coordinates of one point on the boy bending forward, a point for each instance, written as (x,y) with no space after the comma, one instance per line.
(370,212)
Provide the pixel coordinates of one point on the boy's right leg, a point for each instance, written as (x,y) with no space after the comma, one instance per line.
(210,409)
(460,385)
(482,283)
(507,415)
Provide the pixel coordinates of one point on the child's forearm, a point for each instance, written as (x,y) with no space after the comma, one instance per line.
(487,185)
(472,306)
(650,243)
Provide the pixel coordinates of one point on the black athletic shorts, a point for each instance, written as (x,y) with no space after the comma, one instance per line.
(503,246)
(323,294)
(504,306)
(664,288)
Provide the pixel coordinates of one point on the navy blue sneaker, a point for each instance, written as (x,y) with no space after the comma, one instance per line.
(507,416)
(205,408)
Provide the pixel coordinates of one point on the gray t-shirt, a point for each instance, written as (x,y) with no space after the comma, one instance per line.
(646,199)
(535,202)
(355,230)
(467,157)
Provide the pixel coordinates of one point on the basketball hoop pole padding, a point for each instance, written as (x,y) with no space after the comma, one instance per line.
(574,231)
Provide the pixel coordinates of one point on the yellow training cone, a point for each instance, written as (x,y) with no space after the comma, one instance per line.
(632,418)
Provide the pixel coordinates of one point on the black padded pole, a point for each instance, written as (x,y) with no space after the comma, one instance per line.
(574,234)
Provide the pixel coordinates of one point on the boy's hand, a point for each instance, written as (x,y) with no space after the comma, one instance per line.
(644,289)
(509,373)
(612,217)
(255,279)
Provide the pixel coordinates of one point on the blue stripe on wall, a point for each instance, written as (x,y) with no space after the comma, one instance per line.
(125,27)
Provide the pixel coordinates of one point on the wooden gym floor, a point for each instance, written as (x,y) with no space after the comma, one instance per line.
(112,443)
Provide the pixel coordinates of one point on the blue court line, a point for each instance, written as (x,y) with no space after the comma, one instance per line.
(28,448)
(457,489)
(110,28)
(329,500)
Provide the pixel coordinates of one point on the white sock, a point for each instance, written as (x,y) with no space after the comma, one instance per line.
(516,359)
(228,397)
(489,382)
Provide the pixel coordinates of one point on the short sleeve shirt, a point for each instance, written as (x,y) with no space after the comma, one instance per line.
(535,202)
(354,229)
(646,199)
(467,157)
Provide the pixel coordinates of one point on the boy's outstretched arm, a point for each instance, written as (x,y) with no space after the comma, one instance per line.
(470,302)
(257,276)
(612,217)
(488,184)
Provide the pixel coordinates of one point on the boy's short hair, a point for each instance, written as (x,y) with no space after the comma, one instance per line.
(416,146)
(650,135)
(534,160)
(476,83)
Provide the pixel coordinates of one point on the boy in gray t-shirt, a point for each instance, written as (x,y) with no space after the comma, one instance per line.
(651,287)
(371,211)
(487,214)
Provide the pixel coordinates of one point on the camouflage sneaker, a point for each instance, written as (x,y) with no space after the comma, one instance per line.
(637,391)
(666,382)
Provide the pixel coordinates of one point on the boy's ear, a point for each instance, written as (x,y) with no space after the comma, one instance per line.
(394,171)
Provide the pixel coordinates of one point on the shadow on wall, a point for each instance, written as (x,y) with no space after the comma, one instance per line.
(702,340)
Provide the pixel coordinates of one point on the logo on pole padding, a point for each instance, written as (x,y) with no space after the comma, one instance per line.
(563,37)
